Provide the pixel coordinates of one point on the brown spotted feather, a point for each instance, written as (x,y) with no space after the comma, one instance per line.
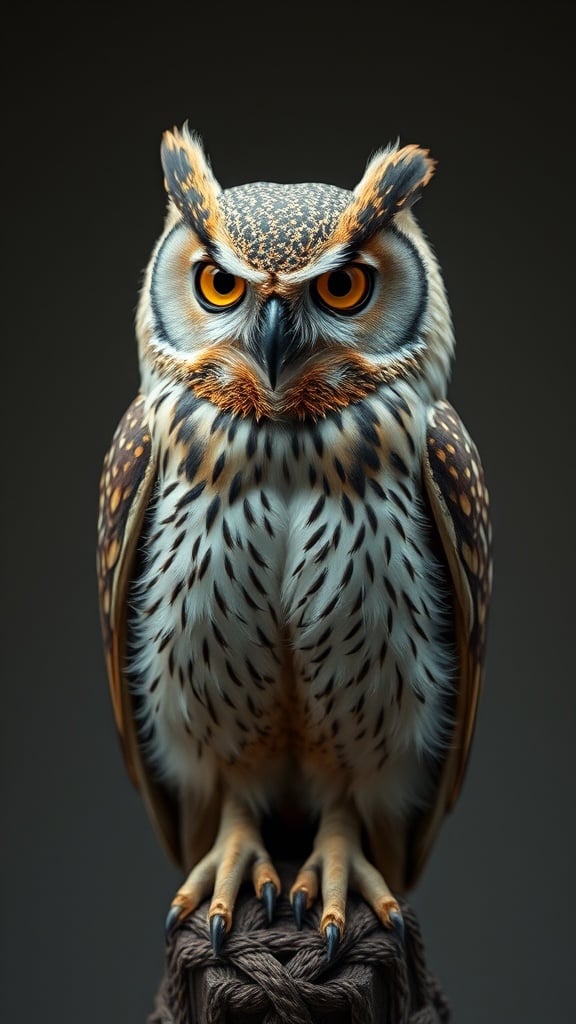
(126,483)
(460,506)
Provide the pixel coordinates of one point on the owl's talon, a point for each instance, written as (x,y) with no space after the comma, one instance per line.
(332,936)
(173,918)
(217,933)
(298,907)
(397,922)
(269,896)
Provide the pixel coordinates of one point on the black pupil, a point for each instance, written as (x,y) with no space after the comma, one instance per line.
(340,283)
(223,282)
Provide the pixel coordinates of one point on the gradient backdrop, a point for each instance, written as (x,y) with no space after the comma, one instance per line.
(283,94)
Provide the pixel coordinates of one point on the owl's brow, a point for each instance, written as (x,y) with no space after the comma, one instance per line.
(331,260)
(230,261)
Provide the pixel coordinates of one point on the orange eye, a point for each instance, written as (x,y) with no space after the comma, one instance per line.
(217,289)
(344,290)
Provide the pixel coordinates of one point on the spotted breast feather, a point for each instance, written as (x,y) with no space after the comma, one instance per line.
(290,613)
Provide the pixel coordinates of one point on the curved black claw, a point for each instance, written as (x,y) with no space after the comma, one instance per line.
(269,896)
(298,907)
(173,918)
(217,932)
(332,935)
(397,922)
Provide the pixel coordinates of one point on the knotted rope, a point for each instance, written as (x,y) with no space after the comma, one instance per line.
(279,975)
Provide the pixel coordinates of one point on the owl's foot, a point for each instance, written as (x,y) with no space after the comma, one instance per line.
(237,852)
(336,865)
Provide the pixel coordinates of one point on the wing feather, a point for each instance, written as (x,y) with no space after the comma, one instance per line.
(456,489)
(126,484)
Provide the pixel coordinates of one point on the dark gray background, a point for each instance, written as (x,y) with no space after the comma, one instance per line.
(281,94)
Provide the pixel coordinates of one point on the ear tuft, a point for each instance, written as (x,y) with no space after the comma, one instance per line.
(189,181)
(392,181)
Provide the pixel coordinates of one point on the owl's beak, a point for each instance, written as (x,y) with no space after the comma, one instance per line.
(274,339)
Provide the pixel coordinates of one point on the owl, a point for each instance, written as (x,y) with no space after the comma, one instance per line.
(294,542)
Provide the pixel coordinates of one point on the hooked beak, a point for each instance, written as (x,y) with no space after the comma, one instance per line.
(275,339)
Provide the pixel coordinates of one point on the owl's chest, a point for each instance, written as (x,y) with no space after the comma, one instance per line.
(288,578)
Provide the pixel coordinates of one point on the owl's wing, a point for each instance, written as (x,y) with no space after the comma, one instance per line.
(126,484)
(459,500)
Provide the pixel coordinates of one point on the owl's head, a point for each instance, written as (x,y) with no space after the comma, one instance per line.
(293,300)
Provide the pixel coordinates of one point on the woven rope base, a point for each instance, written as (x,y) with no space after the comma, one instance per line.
(275,974)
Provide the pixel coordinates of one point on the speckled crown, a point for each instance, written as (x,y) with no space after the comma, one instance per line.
(281,227)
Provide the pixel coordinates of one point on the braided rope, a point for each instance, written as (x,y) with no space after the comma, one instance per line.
(279,975)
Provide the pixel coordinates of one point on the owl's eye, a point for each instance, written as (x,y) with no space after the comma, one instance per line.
(216,289)
(345,290)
